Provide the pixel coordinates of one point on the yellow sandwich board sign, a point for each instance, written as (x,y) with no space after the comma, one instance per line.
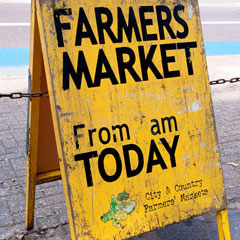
(132,114)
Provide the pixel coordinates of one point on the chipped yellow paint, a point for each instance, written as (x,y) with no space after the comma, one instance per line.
(223,225)
(31,166)
(48,177)
(42,160)
(157,172)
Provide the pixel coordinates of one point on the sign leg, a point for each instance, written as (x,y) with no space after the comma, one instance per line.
(32,151)
(36,71)
(30,194)
(223,225)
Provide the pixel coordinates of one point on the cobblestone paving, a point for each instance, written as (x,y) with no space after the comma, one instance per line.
(50,214)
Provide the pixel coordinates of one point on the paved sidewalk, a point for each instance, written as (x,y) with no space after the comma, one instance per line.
(50,214)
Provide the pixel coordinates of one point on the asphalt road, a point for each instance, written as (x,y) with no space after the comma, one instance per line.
(221,21)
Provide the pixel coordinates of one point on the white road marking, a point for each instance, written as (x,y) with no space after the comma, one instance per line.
(203,4)
(14,24)
(220,22)
(228,5)
(15,1)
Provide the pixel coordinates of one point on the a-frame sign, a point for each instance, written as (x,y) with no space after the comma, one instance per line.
(129,116)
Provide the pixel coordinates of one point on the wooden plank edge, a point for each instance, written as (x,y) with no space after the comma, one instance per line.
(48,177)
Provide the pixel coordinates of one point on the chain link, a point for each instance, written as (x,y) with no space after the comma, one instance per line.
(222,81)
(17,95)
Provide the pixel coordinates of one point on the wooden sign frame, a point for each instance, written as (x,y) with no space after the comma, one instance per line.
(43,152)
(42,158)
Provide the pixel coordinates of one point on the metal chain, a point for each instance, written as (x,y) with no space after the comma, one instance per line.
(222,81)
(17,95)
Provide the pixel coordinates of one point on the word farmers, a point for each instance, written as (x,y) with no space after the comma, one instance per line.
(137,50)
